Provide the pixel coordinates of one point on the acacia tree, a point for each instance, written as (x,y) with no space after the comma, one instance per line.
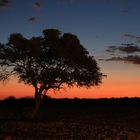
(48,62)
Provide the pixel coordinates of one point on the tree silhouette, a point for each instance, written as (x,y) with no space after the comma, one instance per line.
(48,62)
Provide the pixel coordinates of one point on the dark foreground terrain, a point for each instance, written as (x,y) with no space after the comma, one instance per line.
(71,119)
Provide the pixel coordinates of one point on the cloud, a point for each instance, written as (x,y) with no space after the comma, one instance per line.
(133,59)
(4,3)
(113,59)
(129,35)
(137,38)
(124,48)
(111,49)
(32,19)
(125,11)
(127,49)
(130,48)
(37,5)
(128,53)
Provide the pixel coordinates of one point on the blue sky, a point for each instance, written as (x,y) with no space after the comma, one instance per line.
(97,23)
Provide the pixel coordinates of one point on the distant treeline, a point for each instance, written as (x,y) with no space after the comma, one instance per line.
(26,101)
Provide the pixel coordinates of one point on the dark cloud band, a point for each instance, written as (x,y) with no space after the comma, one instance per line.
(124,48)
(4,3)
(133,59)
(37,5)
(32,19)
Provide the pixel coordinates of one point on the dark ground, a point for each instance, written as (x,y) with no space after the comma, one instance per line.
(71,119)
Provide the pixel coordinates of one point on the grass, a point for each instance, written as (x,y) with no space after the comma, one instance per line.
(71,119)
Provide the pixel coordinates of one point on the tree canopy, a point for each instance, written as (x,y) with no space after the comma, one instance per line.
(48,61)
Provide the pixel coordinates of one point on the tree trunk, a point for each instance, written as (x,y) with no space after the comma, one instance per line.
(36,108)
(38,101)
(36,93)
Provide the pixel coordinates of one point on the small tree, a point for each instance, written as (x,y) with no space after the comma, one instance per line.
(48,62)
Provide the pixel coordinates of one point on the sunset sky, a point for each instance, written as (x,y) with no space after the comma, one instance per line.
(103,26)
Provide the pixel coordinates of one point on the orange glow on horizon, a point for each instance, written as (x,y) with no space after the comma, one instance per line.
(106,90)
(122,81)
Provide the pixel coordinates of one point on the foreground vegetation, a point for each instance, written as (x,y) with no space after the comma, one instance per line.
(71,119)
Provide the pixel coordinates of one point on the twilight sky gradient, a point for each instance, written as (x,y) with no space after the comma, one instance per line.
(97,23)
